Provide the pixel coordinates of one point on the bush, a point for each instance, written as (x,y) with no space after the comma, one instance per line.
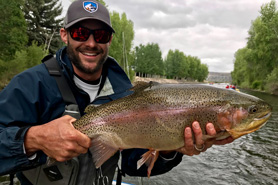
(272,82)
(257,85)
(23,60)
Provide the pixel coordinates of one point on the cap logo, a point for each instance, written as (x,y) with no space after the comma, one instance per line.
(90,6)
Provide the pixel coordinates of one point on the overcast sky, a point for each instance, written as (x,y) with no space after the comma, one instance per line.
(212,30)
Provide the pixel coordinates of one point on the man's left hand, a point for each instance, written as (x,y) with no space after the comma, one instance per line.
(194,148)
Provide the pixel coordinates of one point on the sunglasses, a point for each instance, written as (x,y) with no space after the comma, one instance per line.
(82,34)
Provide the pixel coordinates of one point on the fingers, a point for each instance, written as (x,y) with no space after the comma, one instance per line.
(188,142)
(210,129)
(58,139)
(193,139)
(198,134)
(212,132)
(81,138)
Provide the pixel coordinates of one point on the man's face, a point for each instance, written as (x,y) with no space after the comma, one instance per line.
(88,56)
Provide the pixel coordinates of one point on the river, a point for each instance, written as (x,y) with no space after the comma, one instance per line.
(249,160)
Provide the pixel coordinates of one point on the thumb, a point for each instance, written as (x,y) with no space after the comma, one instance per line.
(82,139)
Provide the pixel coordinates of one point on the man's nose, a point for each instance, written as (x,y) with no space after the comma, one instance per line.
(91,41)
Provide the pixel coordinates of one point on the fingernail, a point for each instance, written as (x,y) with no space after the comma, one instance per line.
(210,126)
(187,130)
(196,125)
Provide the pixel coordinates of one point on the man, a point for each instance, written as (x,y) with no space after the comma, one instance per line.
(32,125)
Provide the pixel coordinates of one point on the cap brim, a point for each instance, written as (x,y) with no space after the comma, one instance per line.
(87,18)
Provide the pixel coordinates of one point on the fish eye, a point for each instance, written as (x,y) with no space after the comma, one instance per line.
(252,109)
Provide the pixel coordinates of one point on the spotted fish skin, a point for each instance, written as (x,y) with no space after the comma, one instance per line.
(155,116)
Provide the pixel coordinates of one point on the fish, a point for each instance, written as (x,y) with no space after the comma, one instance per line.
(155,115)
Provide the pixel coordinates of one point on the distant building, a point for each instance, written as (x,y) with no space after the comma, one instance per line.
(219,77)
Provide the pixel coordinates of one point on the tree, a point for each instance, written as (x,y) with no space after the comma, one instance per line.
(254,63)
(122,40)
(43,23)
(148,59)
(12,25)
(176,64)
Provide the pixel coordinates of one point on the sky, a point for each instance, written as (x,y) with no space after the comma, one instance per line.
(212,30)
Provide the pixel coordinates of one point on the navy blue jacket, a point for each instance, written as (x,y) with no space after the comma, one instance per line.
(33,98)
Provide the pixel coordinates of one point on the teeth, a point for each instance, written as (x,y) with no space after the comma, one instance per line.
(90,54)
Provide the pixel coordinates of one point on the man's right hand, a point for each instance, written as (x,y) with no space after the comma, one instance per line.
(58,139)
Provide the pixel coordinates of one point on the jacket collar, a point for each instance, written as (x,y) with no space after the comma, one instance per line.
(111,70)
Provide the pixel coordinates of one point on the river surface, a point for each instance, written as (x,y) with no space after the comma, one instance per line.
(249,160)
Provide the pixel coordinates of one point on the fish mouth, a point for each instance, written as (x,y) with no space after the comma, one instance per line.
(256,124)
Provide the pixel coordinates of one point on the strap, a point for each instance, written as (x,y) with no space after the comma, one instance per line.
(12,179)
(119,176)
(55,71)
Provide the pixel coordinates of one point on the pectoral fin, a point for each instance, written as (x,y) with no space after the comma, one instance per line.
(101,152)
(149,159)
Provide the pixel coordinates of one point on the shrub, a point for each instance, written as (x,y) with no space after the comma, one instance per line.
(23,60)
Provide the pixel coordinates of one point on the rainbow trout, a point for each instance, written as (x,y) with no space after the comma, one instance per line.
(155,115)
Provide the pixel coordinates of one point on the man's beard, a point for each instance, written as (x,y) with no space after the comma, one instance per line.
(78,64)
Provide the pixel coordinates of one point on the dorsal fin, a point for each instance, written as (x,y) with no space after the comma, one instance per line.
(141,85)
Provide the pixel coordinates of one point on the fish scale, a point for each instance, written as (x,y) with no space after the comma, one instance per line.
(155,116)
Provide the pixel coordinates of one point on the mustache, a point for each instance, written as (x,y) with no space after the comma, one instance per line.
(89,49)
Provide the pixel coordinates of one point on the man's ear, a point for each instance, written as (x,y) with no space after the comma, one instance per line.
(64,35)
(110,40)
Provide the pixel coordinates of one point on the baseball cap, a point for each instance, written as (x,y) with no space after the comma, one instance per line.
(82,10)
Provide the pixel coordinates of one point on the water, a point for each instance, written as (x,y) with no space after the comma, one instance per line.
(249,160)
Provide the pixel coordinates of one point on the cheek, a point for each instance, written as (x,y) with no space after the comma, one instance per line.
(239,115)
(229,119)
(224,120)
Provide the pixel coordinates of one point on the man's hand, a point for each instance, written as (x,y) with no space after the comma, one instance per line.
(194,148)
(58,139)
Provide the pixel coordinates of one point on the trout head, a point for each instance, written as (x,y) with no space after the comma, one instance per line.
(243,115)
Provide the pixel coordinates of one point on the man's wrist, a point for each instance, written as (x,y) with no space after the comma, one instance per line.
(30,145)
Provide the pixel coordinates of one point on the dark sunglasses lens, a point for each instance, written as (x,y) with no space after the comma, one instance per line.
(80,34)
(102,36)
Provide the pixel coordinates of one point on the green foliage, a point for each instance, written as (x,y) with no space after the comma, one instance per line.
(43,24)
(256,61)
(13,36)
(148,60)
(31,56)
(23,60)
(272,82)
(178,66)
(257,85)
(121,45)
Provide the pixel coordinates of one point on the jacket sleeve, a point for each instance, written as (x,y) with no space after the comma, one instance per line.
(131,156)
(21,106)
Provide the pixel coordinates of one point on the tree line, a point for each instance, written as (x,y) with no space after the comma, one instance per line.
(30,30)
(256,65)
(148,60)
